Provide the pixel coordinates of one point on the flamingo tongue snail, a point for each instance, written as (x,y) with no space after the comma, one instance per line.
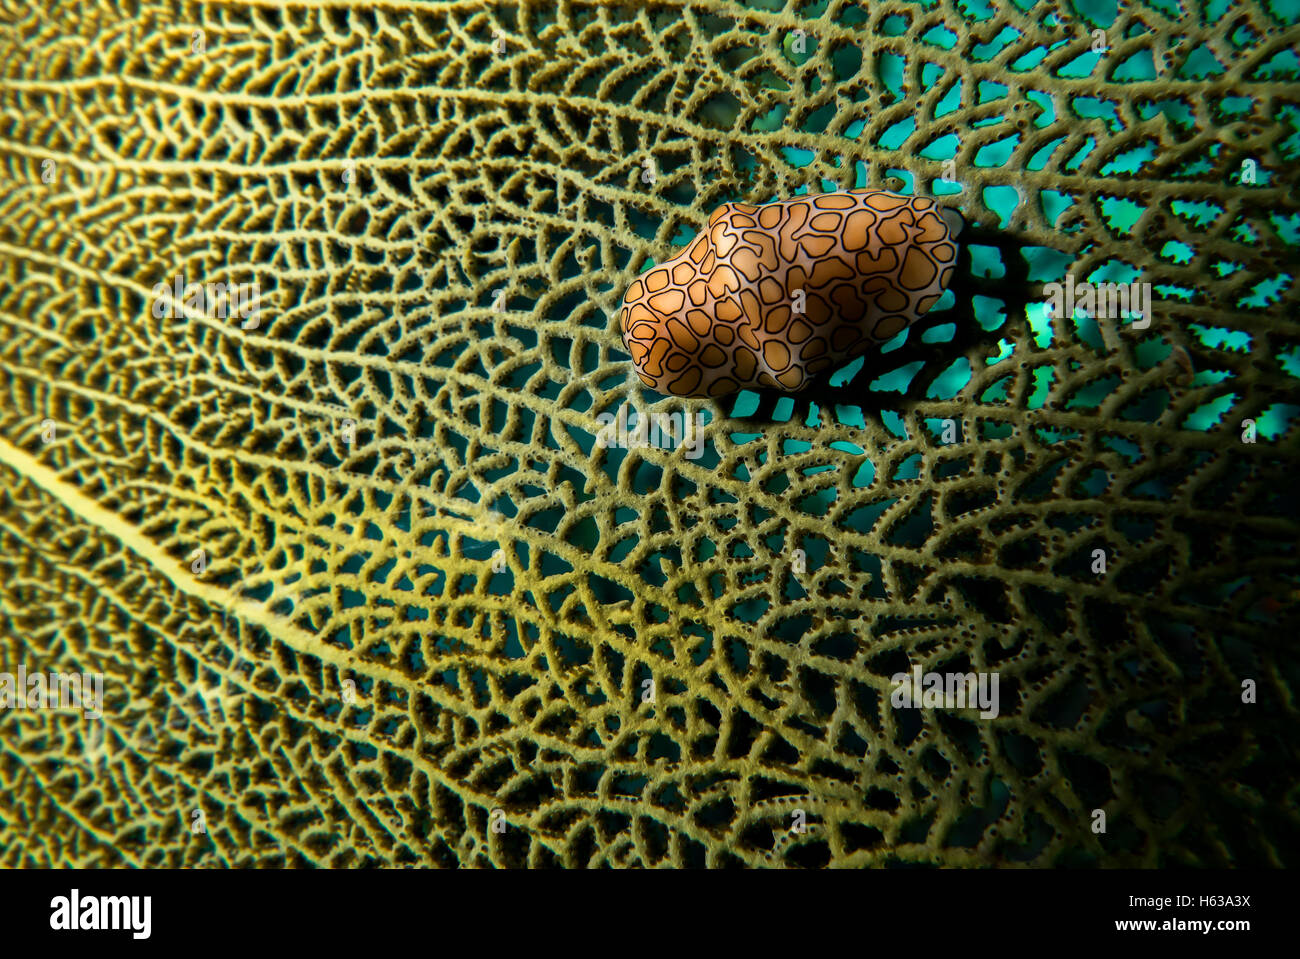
(769,296)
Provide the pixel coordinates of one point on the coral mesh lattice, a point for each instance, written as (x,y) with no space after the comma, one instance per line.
(357,574)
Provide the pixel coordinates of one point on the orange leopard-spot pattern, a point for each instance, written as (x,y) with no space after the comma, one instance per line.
(769,296)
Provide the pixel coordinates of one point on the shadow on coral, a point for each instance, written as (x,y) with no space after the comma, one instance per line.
(1013,288)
